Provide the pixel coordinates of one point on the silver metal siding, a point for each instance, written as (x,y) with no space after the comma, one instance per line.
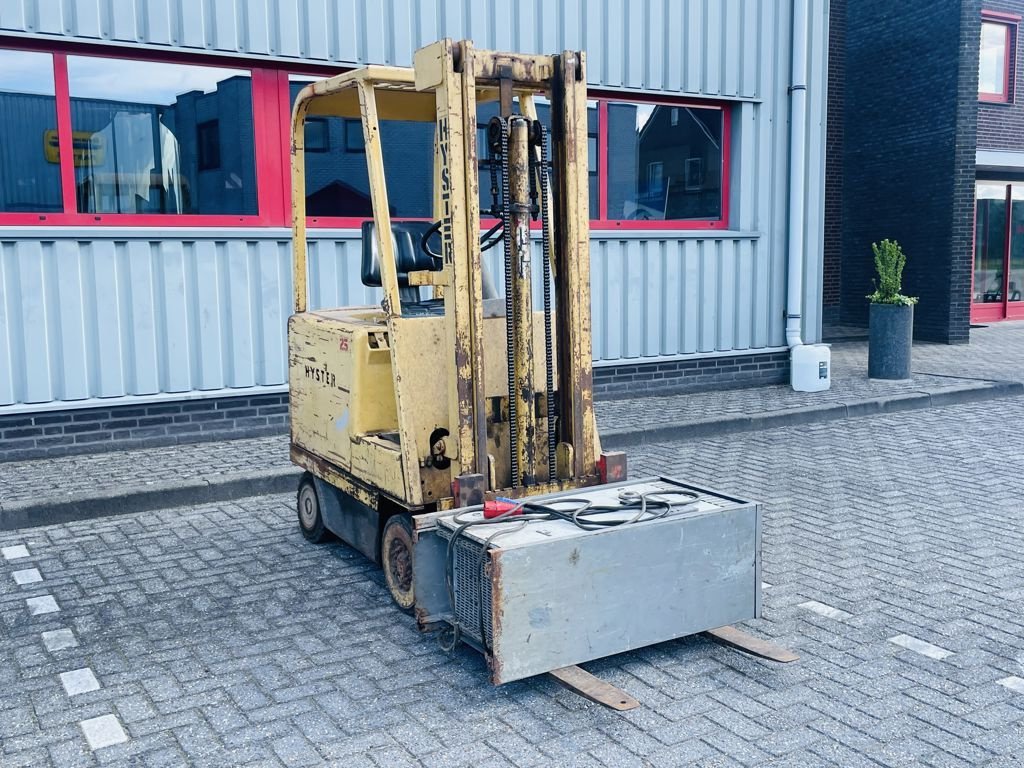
(121,313)
(706,47)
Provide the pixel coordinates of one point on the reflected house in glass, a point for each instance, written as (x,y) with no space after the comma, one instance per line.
(150,161)
(680,158)
(30,181)
(132,157)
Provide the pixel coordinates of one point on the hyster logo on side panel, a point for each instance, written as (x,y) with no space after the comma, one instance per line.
(320,375)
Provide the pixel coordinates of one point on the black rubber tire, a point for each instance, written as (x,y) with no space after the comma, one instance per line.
(396,558)
(307,507)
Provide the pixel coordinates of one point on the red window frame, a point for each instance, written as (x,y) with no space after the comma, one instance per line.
(272,203)
(1009,22)
(602,222)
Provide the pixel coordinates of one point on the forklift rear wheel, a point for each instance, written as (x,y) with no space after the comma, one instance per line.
(396,556)
(311,521)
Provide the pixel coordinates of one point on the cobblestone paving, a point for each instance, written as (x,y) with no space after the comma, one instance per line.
(995,353)
(218,637)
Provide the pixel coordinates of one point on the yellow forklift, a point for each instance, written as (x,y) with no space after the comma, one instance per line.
(449,433)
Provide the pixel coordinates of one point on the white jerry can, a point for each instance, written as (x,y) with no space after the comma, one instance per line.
(810,368)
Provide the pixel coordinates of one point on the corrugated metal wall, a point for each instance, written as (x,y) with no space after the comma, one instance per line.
(109,314)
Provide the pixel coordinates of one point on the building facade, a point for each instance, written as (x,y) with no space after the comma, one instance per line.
(926,112)
(145,276)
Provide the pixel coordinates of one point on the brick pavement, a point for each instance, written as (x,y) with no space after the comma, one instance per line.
(218,636)
(995,354)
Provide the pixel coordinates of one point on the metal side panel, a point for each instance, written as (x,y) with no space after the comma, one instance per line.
(568,601)
(429,586)
(349,519)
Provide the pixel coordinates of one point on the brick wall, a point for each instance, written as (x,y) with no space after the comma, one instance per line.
(1001,126)
(93,430)
(834,161)
(693,375)
(908,172)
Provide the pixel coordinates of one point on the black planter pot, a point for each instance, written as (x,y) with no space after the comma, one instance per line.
(890,336)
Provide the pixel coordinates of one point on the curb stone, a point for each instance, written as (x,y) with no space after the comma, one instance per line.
(160,495)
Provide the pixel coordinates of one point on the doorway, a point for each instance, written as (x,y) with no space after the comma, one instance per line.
(998,292)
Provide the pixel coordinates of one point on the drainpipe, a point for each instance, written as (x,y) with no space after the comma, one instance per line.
(797,174)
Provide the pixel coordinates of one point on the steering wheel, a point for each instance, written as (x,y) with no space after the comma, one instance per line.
(488,239)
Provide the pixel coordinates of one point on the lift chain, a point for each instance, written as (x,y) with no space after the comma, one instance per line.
(540,136)
(493,152)
(506,218)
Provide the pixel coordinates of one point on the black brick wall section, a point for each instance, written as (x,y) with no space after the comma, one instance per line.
(909,142)
(93,430)
(742,370)
(1001,126)
(833,244)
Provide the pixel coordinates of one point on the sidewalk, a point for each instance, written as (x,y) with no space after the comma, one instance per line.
(55,490)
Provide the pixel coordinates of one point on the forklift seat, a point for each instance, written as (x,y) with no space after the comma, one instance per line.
(409,257)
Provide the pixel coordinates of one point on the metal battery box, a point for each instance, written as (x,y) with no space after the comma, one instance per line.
(549,594)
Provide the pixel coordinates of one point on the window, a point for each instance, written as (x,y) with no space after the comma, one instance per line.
(103,139)
(354,136)
(995,70)
(146,118)
(108,139)
(208,144)
(488,110)
(338,183)
(666,163)
(318,137)
(30,180)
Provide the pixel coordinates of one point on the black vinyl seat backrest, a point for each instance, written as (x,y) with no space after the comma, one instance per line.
(409,257)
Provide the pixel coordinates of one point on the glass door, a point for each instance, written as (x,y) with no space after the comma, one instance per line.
(998,252)
(1015,284)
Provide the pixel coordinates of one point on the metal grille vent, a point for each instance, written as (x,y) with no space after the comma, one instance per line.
(467,578)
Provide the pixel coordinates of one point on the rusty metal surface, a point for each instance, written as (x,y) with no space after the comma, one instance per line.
(471,489)
(613,466)
(520,325)
(595,689)
(736,638)
(572,263)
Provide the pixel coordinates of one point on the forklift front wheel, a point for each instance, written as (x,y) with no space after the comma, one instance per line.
(311,521)
(396,556)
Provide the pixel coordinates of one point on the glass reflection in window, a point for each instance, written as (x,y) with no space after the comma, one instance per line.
(1015,286)
(162,138)
(29,151)
(992,60)
(664,162)
(989,243)
(486,110)
(337,180)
